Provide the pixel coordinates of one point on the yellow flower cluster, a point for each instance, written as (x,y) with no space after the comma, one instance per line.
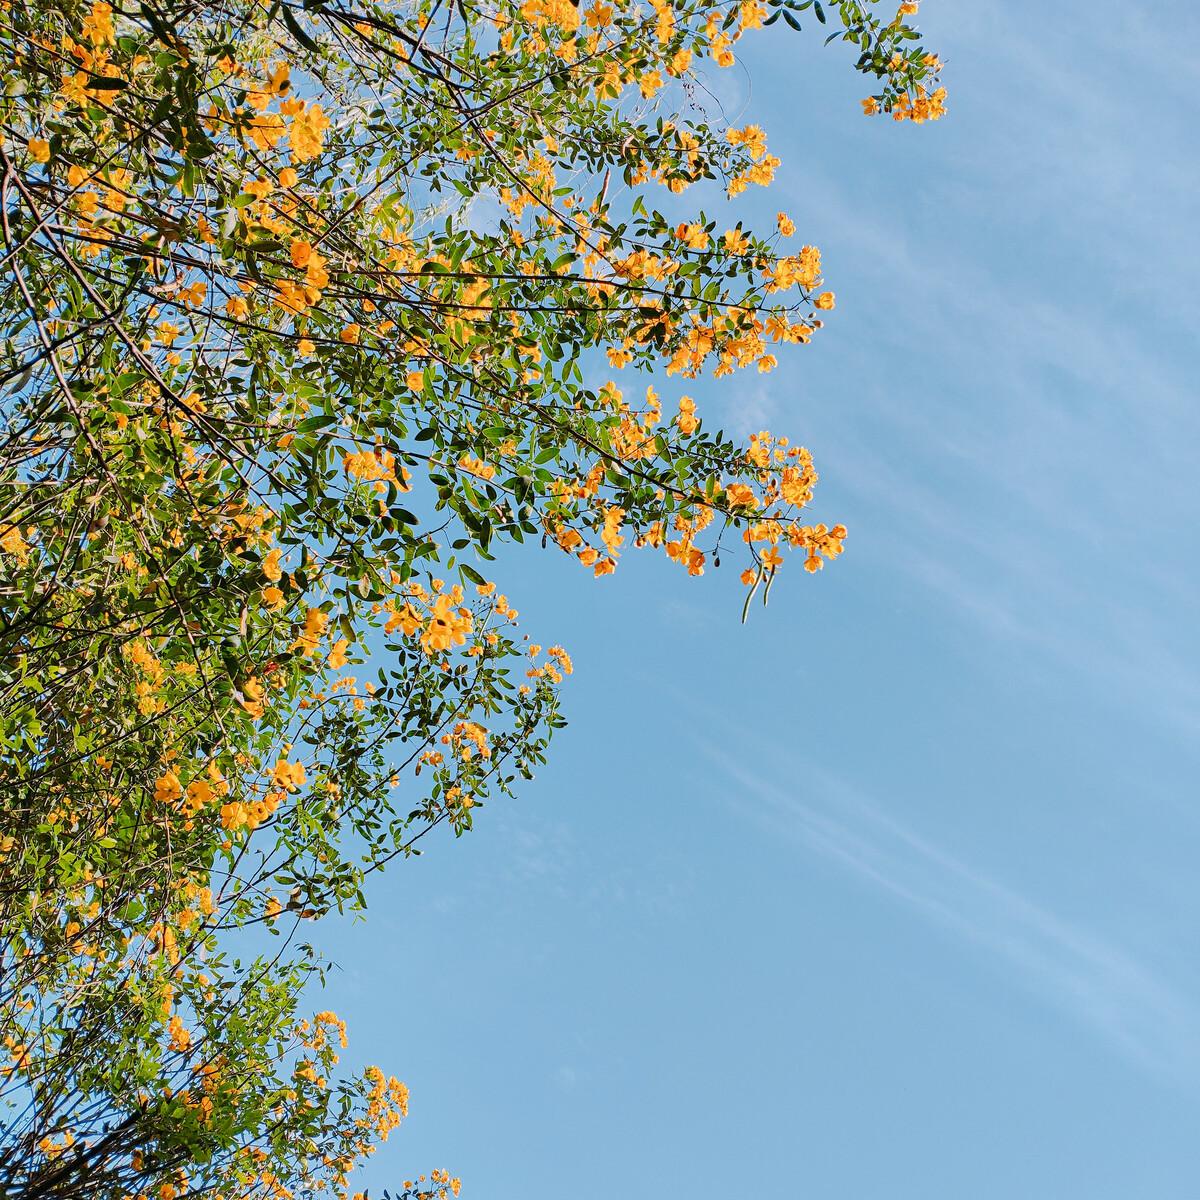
(316,1036)
(376,466)
(796,270)
(926,107)
(309,638)
(449,622)
(13,542)
(446,1180)
(306,134)
(468,739)
(476,467)
(238,814)
(687,421)
(181,1038)
(147,688)
(288,775)
(762,170)
(387,1103)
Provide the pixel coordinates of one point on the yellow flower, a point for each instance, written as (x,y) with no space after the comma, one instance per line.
(351,333)
(649,83)
(315,621)
(39,150)
(337,654)
(167,788)
(265,130)
(825,300)
(448,626)
(687,420)
(193,295)
(693,236)
(12,542)
(288,775)
(279,82)
(751,14)
(610,532)
(199,793)
(680,61)
(599,15)
(736,242)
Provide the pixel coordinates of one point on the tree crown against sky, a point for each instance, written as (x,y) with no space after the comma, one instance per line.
(305,309)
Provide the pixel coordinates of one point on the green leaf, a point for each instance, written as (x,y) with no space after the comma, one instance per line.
(296,31)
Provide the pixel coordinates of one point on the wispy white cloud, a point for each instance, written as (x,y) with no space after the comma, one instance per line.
(748,408)
(1038,483)
(1127,1003)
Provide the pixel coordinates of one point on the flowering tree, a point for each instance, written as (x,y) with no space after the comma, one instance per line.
(306,306)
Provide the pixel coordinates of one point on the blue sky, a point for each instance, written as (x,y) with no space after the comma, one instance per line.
(891,892)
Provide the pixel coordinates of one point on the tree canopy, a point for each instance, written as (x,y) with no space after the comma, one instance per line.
(305,308)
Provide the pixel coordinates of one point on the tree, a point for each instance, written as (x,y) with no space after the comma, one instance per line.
(304,305)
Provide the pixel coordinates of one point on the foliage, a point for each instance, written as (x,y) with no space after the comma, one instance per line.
(302,311)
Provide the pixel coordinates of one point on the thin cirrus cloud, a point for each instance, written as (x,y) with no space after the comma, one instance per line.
(1038,483)
(1126,1003)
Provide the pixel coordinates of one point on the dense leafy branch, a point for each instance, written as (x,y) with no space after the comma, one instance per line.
(306,308)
